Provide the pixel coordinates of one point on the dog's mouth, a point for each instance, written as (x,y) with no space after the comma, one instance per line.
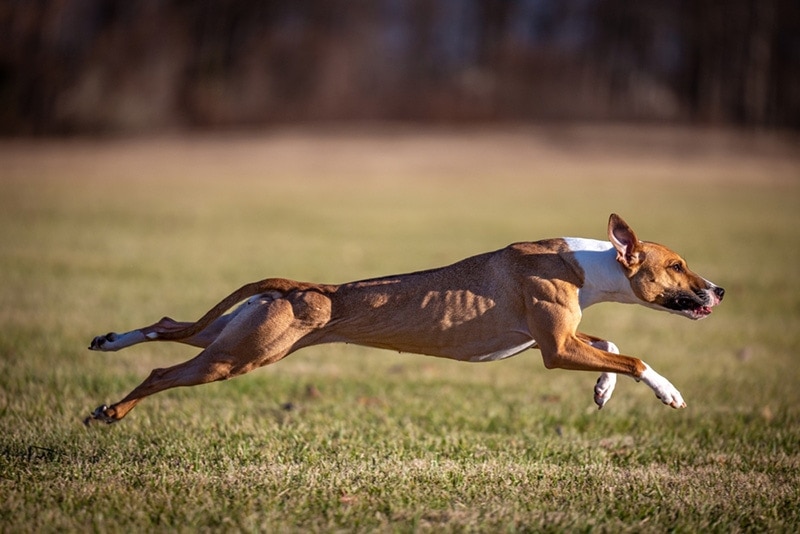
(699,312)
(693,306)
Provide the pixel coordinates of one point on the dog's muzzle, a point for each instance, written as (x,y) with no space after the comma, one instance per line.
(695,305)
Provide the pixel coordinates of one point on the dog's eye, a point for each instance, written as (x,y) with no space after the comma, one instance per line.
(677,267)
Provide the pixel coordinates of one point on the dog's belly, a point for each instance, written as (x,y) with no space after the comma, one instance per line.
(502,354)
(443,345)
(454,323)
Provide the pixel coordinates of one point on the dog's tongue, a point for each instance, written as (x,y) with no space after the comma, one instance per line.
(704,310)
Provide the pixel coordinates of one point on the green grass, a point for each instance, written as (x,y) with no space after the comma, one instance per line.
(98,236)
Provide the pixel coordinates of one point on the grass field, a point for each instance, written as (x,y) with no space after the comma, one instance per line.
(111,235)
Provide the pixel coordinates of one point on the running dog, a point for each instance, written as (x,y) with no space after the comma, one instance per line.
(484,308)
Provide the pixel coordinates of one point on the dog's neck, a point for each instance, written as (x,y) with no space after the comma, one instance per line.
(604,280)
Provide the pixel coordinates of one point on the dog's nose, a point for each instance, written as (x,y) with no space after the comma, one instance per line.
(719,292)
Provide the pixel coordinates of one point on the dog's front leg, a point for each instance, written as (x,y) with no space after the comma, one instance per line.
(603,389)
(606,383)
(581,356)
(578,352)
(662,387)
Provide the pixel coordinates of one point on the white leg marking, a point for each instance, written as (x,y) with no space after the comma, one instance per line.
(662,387)
(113,341)
(605,385)
(604,388)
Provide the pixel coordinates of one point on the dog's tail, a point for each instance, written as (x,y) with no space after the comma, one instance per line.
(279,285)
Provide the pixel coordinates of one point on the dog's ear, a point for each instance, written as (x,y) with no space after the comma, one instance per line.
(629,249)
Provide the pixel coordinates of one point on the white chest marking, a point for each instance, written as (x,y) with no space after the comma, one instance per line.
(603,277)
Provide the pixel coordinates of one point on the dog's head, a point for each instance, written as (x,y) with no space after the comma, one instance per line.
(659,277)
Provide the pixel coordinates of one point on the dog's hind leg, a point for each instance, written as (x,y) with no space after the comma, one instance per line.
(261,332)
(208,366)
(113,341)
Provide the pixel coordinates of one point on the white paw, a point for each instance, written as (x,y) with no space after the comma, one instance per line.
(671,397)
(604,388)
(113,341)
(663,388)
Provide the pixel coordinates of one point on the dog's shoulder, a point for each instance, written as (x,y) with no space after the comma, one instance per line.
(546,259)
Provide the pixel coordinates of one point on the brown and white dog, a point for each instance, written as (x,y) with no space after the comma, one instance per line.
(484,308)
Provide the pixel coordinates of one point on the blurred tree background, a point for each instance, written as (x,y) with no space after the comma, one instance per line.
(99,66)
